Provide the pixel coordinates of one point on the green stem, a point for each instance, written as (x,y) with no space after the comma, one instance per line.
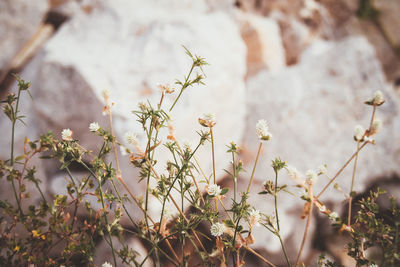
(183,88)
(14,120)
(104,208)
(277,218)
(254,168)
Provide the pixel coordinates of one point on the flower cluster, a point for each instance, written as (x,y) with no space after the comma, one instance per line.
(263,131)
(217,229)
(208,120)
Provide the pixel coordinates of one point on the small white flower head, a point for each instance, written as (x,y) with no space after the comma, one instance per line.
(295,175)
(187,146)
(66,135)
(311,177)
(262,130)
(217,229)
(254,217)
(106,94)
(94,127)
(208,120)
(214,190)
(378,98)
(333,216)
(106,264)
(166,89)
(322,169)
(359,133)
(376,126)
(373,265)
(131,138)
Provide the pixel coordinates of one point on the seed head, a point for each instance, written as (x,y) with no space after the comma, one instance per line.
(311,177)
(214,190)
(208,120)
(131,138)
(359,133)
(66,135)
(217,229)
(262,130)
(94,127)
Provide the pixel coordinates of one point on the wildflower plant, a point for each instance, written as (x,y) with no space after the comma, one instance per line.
(53,233)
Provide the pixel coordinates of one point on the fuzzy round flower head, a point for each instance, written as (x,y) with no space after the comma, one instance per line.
(333,216)
(262,130)
(217,229)
(106,93)
(254,217)
(295,175)
(376,126)
(131,138)
(378,98)
(322,169)
(359,133)
(66,135)
(106,264)
(166,89)
(311,177)
(214,190)
(208,120)
(94,127)
(187,145)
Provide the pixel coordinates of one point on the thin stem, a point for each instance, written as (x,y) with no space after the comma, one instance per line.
(14,120)
(340,171)
(277,218)
(259,256)
(352,186)
(254,168)
(234,177)
(310,192)
(105,212)
(183,87)
(213,163)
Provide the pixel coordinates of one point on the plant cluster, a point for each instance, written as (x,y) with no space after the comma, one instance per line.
(50,232)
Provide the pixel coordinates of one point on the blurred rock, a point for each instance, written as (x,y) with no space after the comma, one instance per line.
(129,50)
(19,20)
(312,116)
(264,44)
(389,20)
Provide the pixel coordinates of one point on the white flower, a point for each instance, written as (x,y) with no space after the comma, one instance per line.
(66,135)
(254,217)
(208,120)
(322,169)
(295,175)
(262,130)
(106,264)
(217,229)
(378,98)
(214,190)
(333,216)
(376,126)
(359,132)
(94,127)
(373,265)
(187,145)
(311,177)
(131,138)
(106,93)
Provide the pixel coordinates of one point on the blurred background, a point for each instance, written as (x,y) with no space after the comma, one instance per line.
(305,66)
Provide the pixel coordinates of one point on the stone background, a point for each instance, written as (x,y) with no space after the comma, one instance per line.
(304,66)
